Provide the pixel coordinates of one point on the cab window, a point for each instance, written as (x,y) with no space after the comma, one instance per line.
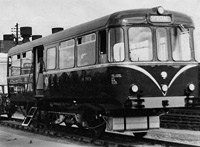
(162,48)
(181,47)
(140,44)
(116,45)
(102,35)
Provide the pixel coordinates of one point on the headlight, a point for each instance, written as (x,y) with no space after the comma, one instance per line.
(164,88)
(191,87)
(134,88)
(160,10)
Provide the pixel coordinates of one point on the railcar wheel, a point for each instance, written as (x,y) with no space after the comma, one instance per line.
(140,135)
(9,115)
(98,131)
(10,111)
(97,127)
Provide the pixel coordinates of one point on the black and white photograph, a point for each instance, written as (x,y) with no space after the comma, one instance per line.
(100,73)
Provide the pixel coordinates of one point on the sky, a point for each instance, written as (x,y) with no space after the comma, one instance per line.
(43,15)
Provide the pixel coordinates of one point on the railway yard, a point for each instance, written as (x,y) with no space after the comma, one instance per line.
(13,134)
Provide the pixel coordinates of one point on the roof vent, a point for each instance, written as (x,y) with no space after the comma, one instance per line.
(34,37)
(58,29)
(8,37)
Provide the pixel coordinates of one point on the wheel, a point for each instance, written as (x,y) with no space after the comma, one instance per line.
(140,135)
(9,115)
(97,127)
(99,131)
(10,111)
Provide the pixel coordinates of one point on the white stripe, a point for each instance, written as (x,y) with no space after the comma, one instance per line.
(129,66)
(180,72)
(142,70)
(154,80)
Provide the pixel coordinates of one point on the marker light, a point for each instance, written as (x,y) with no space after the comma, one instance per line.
(160,10)
(191,87)
(164,88)
(134,88)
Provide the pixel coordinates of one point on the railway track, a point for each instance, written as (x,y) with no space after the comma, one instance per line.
(188,119)
(108,140)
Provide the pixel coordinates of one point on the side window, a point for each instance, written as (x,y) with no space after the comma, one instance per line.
(116,45)
(26,62)
(66,54)
(51,58)
(102,47)
(86,46)
(15,65)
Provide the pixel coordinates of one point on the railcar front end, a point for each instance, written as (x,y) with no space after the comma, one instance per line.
(161,72)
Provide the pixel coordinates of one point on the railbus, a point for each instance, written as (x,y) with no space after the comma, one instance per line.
(115,73)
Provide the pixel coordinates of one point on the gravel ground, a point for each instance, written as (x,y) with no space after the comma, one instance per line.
(16,138)
(183,136)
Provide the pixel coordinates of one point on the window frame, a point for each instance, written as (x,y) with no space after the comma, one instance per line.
(67,47)
(167,43)
(152,45)
(110,49)
(179,45)
(49,48)
(17,59)
(22,58)
(85,42)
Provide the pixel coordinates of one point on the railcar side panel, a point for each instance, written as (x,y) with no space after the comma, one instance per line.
(114,83)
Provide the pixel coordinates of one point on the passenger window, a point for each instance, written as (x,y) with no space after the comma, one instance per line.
(86,47)
(51,58)
(26,62)
(116,45)
(66,54)
(15,65)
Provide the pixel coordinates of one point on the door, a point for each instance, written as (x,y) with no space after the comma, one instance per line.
(38,71)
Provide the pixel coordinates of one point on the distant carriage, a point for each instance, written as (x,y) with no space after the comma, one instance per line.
(4,102)
(116,73)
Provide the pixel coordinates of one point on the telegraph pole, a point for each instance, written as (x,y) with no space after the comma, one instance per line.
(16,33)
(16,30)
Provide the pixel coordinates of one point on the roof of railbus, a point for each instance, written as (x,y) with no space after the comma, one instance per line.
(114,19)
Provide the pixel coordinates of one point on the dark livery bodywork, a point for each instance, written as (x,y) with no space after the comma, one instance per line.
(125,94)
